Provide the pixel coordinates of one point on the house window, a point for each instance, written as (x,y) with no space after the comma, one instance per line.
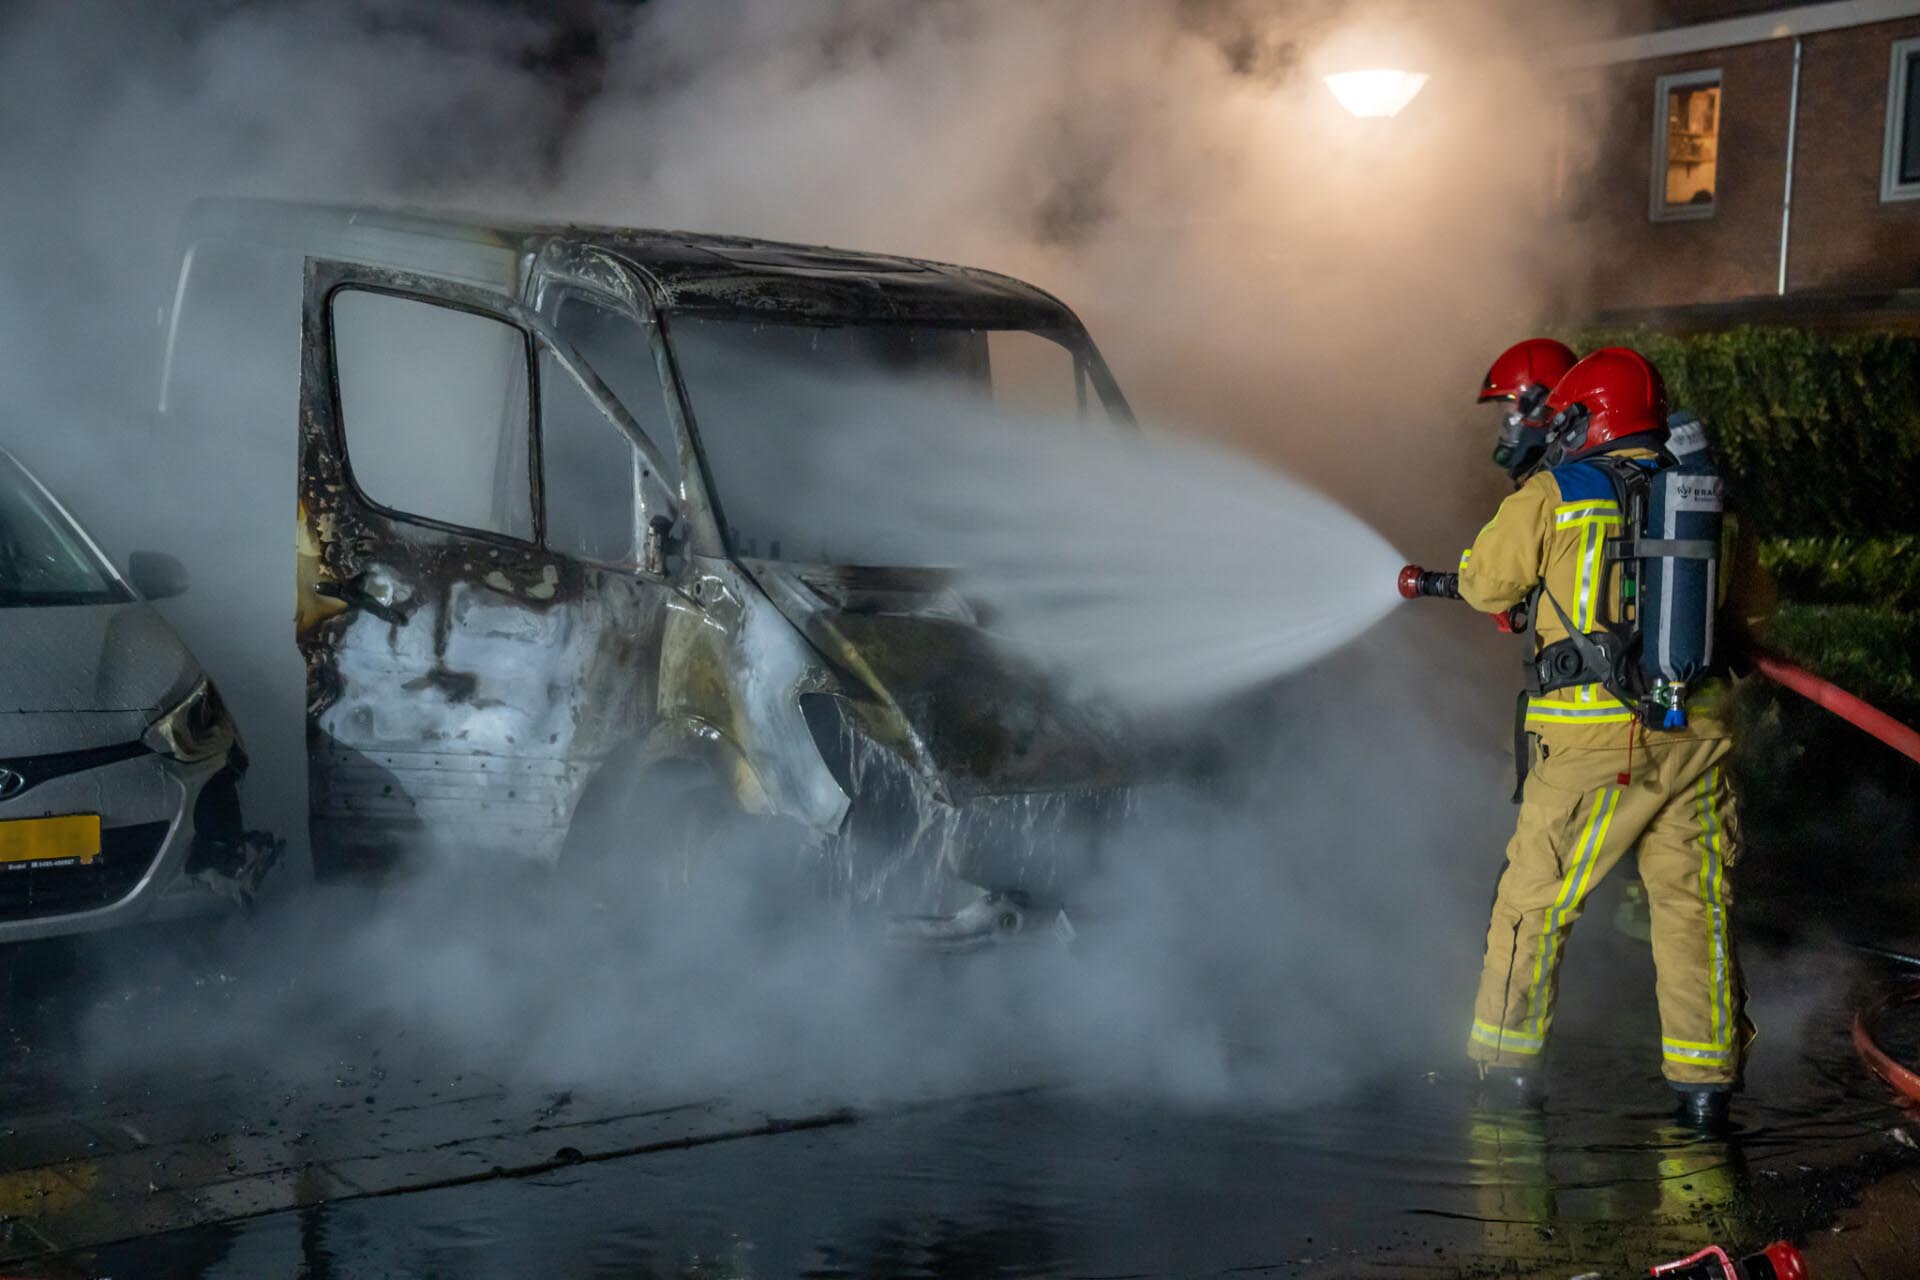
(1686,145)
(1900,171)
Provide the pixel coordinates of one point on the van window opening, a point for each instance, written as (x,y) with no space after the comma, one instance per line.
(435,410)
(587,470)
(619,352)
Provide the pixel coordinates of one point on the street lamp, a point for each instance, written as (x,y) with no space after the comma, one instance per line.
(1376,93)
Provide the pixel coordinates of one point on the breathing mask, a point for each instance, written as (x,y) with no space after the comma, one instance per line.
(1523,436)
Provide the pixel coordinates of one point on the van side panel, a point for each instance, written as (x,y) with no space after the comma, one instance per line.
(220,474)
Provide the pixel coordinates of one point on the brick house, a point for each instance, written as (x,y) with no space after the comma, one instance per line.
(1738,160)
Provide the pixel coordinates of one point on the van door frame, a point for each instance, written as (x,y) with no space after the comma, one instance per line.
(472,790)
(564,267)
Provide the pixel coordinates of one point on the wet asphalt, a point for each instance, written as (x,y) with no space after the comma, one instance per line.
(393,1160)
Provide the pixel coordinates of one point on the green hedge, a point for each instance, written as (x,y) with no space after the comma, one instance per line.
(1819,434)
(1846,570)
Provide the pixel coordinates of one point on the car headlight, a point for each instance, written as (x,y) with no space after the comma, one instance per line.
(197,729)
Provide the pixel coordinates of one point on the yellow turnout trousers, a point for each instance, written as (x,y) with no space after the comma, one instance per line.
(1576,822)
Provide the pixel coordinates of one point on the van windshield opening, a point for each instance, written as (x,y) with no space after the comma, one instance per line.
(44,559)
(816,436)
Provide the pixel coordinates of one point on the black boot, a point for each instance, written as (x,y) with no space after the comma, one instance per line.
(1703,1108)
(1511,1089)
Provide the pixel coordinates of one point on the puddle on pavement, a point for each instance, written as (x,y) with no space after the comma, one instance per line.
(1410,1179)
(1404,1178)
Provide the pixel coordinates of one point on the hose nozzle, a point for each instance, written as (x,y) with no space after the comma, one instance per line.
(1415,581)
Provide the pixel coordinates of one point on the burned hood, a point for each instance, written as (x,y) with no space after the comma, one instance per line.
(91,658)
(911,644)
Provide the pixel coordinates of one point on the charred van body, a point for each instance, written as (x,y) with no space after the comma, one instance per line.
(557,552)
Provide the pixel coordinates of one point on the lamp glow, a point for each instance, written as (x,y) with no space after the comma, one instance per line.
(1378,93)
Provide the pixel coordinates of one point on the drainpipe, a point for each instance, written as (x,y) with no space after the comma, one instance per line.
(1786,204)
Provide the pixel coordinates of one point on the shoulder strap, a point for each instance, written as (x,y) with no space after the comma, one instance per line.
(1624,474)
(1592,654)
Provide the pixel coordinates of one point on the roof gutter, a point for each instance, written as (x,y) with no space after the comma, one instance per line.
(1781,24)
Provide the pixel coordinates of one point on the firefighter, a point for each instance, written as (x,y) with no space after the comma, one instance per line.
(1601,781)
(1521,378)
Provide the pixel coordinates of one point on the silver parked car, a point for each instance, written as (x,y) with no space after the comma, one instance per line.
(117,761)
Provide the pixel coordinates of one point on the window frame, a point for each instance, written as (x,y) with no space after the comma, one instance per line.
(536,486)
(1658,210)
(1899,85)
(647,473)
(636,464)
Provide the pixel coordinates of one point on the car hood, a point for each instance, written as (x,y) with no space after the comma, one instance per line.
(92,659)
(911,643)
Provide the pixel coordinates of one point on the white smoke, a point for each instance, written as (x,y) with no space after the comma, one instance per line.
(1258,267)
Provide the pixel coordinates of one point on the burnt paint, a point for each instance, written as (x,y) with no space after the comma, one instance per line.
(470,683)
(418,639)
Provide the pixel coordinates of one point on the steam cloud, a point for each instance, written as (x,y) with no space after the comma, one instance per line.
(1257,267)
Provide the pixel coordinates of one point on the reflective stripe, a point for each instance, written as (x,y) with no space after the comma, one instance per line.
(1559,713)
(1506,1040)
(1576,696)
(1578,704)
(1593,571)
(1464,557)
(1572,891)
(1595,518)
(1575,512)
(1590,572)
(1712,894)
(1673,1051)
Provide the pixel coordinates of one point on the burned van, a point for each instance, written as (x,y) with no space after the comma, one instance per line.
(519,527)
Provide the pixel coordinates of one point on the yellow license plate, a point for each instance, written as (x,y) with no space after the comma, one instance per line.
(75,835)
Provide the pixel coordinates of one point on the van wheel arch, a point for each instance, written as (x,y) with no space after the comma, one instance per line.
(689,769)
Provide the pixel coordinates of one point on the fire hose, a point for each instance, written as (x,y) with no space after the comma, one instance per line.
(1853,710)
(1902,1079)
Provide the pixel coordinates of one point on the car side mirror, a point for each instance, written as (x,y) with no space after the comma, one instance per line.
(156,575)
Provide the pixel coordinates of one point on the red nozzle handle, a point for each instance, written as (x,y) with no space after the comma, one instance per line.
(1409,581)
(1513,622)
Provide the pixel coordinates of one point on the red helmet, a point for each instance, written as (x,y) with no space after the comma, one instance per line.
(1537,362)
(1613,394)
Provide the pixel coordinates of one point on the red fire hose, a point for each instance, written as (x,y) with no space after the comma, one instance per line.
(1902,1079)
(1843,704)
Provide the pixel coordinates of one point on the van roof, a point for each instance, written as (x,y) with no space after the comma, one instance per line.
(686,271)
